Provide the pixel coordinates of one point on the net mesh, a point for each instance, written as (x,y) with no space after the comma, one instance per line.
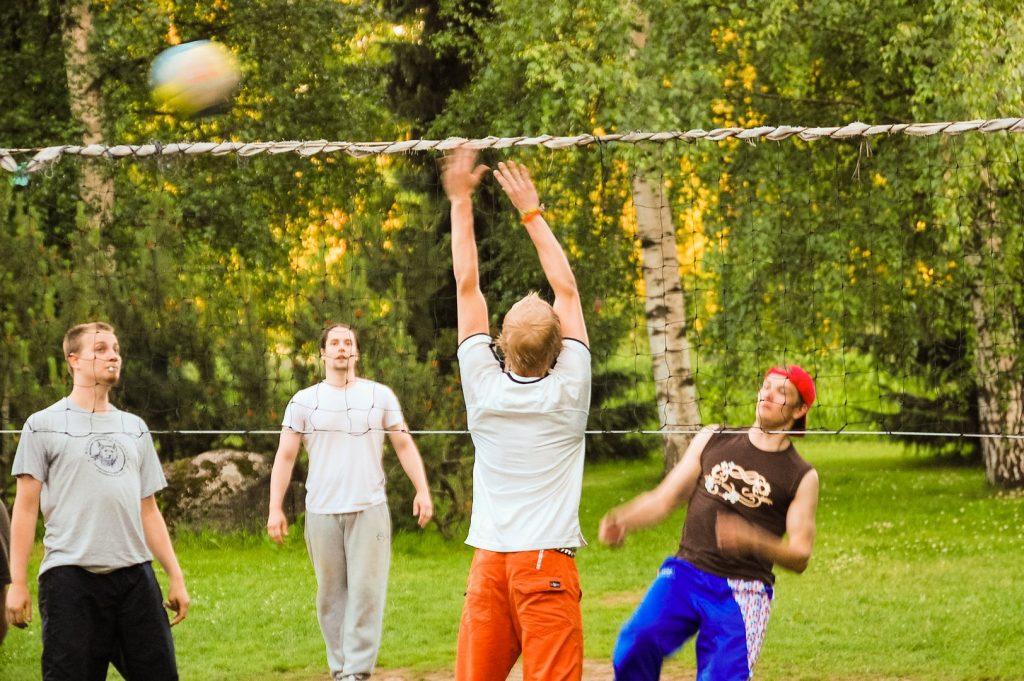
(898,290)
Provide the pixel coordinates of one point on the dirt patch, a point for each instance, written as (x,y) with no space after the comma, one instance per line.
(593,670)
(631,598)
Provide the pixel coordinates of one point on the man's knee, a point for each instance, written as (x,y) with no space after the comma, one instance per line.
(636,645)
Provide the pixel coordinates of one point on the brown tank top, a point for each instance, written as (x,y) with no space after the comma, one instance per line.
(737,477)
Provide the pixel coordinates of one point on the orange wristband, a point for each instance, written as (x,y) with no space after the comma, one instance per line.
(531,214)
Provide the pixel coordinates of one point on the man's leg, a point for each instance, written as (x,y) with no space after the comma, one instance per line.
(145,645)
(488,638)
(77,610)
(545,589)
(368,557)
(325,541)
(663,621)
(730,639)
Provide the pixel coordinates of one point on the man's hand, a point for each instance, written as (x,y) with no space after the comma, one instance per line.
(19,605)
(178,601)
(611,531)
(515,180)
(277,526)
(735,535)
(423,508)
(460,175)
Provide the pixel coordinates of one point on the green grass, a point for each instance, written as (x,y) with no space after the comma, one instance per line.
(915,576)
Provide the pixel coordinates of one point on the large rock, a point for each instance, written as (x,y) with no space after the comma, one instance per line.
(224,489)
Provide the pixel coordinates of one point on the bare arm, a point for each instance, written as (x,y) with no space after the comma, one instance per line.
(412,463)
(515,180)
(460,179)
(284,463)
(24,516)
(793,552)
(652,507)
(159,542)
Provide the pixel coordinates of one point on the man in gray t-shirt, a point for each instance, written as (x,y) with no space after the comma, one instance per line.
(92,470)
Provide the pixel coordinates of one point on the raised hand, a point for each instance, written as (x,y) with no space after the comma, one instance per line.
(515,179)
(460,175)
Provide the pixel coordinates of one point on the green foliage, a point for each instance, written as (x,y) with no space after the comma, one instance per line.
(557,67)
(220,273)
(513,68)
(892,247)
(31,275)
(32,75)
(219,278)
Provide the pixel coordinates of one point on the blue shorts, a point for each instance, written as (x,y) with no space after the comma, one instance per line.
(728,616)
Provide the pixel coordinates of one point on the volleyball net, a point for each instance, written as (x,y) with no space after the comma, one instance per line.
(885,260)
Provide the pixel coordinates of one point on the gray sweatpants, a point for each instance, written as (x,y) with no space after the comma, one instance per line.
(351,554)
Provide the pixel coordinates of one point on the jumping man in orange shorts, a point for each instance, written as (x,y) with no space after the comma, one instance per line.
(527,415)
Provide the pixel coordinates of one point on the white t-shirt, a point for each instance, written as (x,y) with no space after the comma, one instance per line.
(96,468)
(529,440)
(343,431)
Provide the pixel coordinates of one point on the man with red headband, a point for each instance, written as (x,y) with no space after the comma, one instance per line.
(751,501)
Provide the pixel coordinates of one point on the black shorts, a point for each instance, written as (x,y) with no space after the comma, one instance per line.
(93,620)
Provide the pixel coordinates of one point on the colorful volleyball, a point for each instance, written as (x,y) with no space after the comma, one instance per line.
(194,78)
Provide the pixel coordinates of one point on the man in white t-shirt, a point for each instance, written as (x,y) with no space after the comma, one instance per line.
(527,417)
(342,423)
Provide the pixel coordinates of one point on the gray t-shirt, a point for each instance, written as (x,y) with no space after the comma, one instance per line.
(95,468)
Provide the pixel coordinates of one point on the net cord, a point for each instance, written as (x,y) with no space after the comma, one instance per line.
(43,157)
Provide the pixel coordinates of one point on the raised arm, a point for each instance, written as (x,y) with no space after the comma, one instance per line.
(652,507)
(515,180)
(24,517)
(460,176)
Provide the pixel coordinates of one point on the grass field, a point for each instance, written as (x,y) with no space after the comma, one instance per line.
(916,575)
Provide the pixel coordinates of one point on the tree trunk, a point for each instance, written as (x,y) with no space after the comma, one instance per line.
(665,312)
(96,185)
(998,340)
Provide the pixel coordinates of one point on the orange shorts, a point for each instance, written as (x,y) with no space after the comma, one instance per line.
(525,602)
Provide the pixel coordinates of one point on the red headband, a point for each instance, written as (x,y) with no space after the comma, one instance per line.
(804,385)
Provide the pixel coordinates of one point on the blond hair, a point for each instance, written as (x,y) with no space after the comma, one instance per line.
(73,338)
(531,336)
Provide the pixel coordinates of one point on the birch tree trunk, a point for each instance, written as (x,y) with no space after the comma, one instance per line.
(665,312)
(998,342)
(96,185)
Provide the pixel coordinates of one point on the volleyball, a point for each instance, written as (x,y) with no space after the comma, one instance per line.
(194,78)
